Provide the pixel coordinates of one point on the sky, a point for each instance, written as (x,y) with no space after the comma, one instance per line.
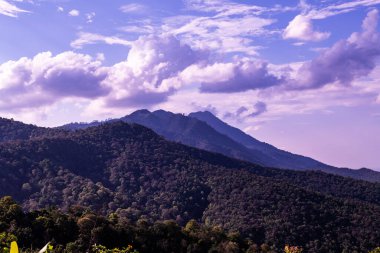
(301,75)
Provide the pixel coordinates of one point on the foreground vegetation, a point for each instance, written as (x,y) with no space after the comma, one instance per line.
(130,173)
(81,230)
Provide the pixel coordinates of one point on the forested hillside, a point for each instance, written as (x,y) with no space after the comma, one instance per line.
(132,172)
(205,131)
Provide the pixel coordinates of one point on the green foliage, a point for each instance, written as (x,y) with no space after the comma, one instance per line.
(377,250)
(292,249)
(5,241)
(136,178)
(102,249)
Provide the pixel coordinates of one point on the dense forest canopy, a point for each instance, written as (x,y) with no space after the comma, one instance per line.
(130,171)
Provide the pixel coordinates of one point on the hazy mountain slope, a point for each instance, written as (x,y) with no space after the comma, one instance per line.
(130,170)
(219,137)
(192,132)
(280,158)
(210,136)
(203,130)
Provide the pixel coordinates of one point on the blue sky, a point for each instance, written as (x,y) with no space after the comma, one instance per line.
(301,75)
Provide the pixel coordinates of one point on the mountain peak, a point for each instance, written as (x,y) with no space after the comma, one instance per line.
(203,113)
(163,113)
(211,119)
(140,112)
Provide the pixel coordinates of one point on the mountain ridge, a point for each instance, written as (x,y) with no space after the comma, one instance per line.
(212,134)
(275,153)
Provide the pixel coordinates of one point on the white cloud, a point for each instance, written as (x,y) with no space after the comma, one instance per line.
(238,76)
(301,28)
(133,8)
(164,68)
(45,79)
(143,78)
(223,32)
(60,9)
(145,29)
(92,38)
(90,17)
(9,9)
(74,13)
(346,61)
(220,26)
(223,7)
(337,9)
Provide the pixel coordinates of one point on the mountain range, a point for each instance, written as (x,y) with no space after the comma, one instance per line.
(129,170)
(205,131)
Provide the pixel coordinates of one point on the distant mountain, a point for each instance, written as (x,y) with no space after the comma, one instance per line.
(274,156)
(192,132)
(204,130)
(279,158)
(129,170)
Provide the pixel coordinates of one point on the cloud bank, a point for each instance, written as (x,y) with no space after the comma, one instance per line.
(144,78)
(45,79)
(157,67)
(345,61)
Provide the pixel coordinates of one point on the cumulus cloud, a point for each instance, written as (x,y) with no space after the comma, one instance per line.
(146,77)
(158,66)
(236,114)
(244,112)
(9,9)
(344,61)
(45,79)
(259,108)
(301,28)
(241,76)
(74,13)
(149,73)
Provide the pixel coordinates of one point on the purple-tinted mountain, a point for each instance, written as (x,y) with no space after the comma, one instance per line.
(278,158)
(205,131)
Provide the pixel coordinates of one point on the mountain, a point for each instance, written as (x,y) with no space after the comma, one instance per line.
(217,136)
(11,130)
(204,130)
(129,170)
(279,158)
